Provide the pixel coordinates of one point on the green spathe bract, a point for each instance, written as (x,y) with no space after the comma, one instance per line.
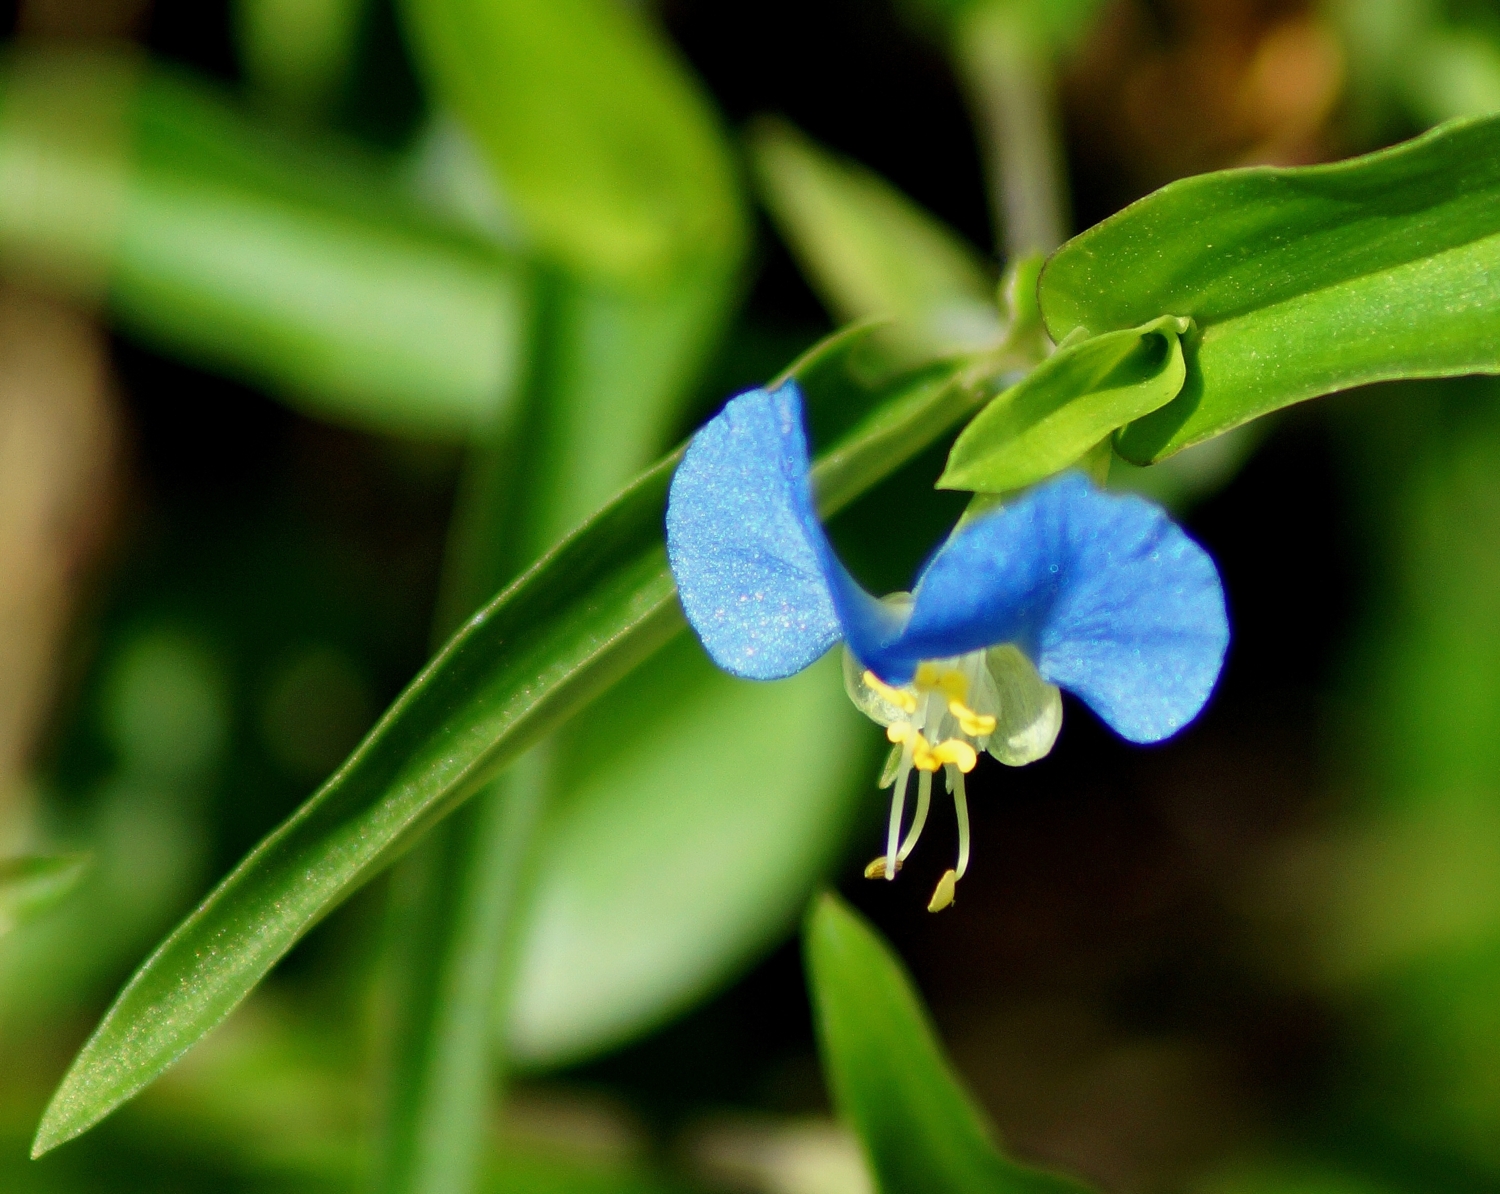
(1301,282)
(891,1082)
(1067,405)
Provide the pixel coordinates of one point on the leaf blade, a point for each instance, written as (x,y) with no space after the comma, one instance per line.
(869,250)
(922,1132)
(1302,281)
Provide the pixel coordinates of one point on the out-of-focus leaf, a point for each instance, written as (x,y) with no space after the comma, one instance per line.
(700,812)
(1062,22)
(1451,73)
(604,145)
(872,252)
(302,268)
(890,1079)
(574,624)
(31,885)
(297,54)
(1071,402)
(1302,281)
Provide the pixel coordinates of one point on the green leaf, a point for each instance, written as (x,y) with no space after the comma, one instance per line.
(301,267)
(31,885)
(577,622)
(890,1079)
(1301,282)
(1072,401)
(605,146)
(699,812)
(870,251)
(1452,72)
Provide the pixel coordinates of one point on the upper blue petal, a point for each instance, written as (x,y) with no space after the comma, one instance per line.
(1108,596)
(744,542)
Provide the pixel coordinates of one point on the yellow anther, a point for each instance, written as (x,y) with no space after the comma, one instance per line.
(901,732)
(927,757)
(943,895)
(958,752)
(934,677)
(895,696)
(976,725)
(877,869)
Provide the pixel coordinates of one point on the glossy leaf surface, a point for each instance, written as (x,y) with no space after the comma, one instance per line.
(299,267)
(31,885)
(605,147)
(1301,281)
(869,250)
(574,624)
(891,1081)
(1072,401)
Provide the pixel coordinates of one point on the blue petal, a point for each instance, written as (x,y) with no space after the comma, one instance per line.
(744,542)
(1108,596)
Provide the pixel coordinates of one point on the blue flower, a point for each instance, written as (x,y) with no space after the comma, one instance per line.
(1069,587)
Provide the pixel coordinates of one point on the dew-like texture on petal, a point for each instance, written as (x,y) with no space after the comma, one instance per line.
(744,542)
(1107,595)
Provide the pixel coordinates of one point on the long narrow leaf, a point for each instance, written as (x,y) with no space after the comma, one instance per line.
(575,623)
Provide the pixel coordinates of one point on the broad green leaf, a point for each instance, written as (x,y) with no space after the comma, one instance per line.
(889,1076)
(32,884)
(869,250)
(700,812)
(300,267)
(1301,281)
(577,622)
(1072,401)
(605,146)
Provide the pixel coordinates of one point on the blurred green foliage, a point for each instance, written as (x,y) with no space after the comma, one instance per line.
(544,273)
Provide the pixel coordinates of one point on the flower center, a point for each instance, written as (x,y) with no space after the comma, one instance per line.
(934,726)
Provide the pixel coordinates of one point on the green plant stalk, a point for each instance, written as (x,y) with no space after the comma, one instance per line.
(1007,66)
(456,898)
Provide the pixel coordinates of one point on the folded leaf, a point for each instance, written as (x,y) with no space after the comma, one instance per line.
(1301,282)
(571,626)
(890,1079)
(1067,405)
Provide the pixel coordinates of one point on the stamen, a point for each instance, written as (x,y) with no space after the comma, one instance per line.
(961,813)
(898,807)
(976,725)
(924,802)
(954,751)
(876,870)
(899,697)
(937,677)
(942,896)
